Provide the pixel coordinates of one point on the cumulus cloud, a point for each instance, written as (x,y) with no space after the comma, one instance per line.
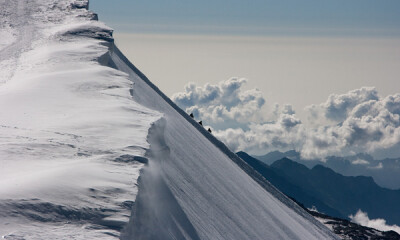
(222,104)
(368,126)
(360,162)
(337,107)
(285,109)
(380,224)
(357,121)
(284,133)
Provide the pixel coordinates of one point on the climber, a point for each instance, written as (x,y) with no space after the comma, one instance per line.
(191,115)
(209,130)
(201,123)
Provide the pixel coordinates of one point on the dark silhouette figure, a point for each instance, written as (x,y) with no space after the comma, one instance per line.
(191,115)
(201,123)
(209,130)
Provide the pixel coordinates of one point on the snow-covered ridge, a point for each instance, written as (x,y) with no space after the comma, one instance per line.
(70,134)
(74,123)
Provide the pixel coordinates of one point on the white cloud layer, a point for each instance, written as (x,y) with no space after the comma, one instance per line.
(222,105)
(357,121)
(338,106)
(380,224)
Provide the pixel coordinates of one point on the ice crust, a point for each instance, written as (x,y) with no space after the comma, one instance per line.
(78,122)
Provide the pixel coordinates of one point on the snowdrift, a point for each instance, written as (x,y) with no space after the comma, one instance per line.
(77,123)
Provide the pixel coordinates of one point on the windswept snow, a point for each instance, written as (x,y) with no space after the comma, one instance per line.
(74,132)
(65,122)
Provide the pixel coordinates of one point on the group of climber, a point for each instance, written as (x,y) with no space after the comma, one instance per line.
(201,122)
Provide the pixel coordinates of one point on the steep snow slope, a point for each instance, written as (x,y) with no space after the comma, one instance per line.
(195,188)
(72,139)
(70,133)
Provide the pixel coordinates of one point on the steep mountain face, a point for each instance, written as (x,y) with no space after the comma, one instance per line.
(386,172)
(77,123)
(330,192)
(206,191)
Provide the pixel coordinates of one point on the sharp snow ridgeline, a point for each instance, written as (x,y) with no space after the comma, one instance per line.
(77,123)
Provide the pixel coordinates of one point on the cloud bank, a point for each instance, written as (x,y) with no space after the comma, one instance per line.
(357,121)
(380,224)
(338,106)
(222,105)
(362,122)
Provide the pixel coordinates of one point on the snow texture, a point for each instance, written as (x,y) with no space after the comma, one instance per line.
(70,134)
(75,131)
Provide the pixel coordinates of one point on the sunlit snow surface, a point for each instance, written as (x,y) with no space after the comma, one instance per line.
(74,129)
(65,122)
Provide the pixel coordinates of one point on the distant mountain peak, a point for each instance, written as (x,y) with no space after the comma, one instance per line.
(288,163)
(320,167)
(385,172)
(292,152)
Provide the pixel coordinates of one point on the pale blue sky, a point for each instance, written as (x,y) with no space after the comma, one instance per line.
(252,17)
